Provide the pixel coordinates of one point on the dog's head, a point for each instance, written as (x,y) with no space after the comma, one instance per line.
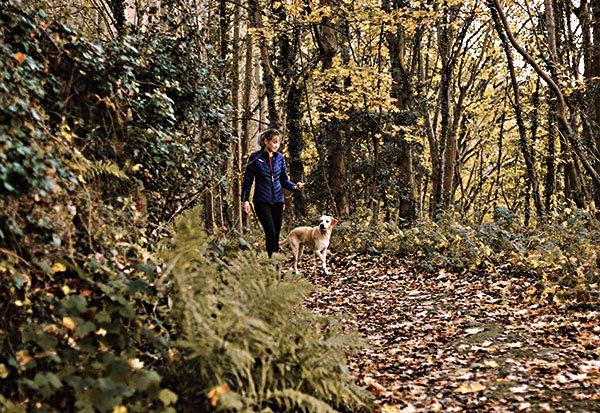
(326,222)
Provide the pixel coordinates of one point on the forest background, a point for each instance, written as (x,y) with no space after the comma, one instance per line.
(455,134)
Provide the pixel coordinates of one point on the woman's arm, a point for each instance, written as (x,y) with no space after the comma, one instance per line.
(285,181)
(249,175)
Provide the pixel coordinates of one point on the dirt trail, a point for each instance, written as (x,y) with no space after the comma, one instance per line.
(454,343)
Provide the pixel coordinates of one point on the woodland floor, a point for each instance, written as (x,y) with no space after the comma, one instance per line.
(454,343)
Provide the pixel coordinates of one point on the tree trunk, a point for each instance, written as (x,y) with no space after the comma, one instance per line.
(443,180)
(267,69)
(326,37)
(118,11)
(209,211)
(401,91)
(247,107)
(550,181)
(296,144)
(289,47)
(235,123)
(595,74)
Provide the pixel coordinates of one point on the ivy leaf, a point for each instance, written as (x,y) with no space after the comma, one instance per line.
(45,383)
(85,329)
(147,381)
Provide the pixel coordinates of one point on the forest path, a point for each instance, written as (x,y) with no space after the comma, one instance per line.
(454,343)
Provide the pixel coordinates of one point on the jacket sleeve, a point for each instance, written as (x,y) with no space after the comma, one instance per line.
(249,175)
(285,181)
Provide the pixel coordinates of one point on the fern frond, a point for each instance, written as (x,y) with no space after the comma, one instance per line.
(294,400)
(103,168)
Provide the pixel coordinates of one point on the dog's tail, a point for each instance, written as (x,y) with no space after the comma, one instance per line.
(284,243)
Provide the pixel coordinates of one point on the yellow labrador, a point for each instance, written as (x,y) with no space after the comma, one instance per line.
(314,238)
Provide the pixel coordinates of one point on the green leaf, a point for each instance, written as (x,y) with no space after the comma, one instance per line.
(85,328)
(46,341)
(147,380)
(73,304)
(167,397)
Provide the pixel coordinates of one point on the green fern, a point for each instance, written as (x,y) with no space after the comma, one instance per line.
(244,327)
(104,168)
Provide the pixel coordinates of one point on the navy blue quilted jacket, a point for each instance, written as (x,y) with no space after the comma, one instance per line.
(271,178)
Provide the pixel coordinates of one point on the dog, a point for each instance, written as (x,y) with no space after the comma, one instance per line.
(314,238)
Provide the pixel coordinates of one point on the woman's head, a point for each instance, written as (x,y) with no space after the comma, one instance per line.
(269,140)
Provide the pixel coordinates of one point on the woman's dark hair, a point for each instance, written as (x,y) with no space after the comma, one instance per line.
(268,135)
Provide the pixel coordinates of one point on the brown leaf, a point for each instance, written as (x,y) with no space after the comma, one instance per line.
(466,388)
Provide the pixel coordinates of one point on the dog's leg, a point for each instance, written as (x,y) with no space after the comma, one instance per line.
(296,254)
(323,256)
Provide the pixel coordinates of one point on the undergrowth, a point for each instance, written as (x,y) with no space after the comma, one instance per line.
(246,341)
(561,255)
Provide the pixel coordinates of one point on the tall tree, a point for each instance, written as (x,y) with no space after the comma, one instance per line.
(291,78)
(237,147)
(401,91)
(327,41)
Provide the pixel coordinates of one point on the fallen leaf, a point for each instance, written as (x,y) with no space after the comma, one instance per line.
(470,388)
(474,330)
(490,363)
(519,389)
(524,406)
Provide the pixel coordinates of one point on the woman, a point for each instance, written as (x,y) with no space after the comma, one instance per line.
(267,167)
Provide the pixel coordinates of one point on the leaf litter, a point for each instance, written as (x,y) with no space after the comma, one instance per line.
(460,342)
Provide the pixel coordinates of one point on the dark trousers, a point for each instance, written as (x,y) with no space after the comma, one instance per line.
(270,217)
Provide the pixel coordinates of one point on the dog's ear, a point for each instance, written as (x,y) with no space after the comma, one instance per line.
(333,221)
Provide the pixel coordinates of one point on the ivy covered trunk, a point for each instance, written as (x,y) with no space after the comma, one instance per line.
(442,180)
(336,148)
(289,46)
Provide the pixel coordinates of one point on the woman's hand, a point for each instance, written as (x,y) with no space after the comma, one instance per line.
(246,207)
(299,186)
